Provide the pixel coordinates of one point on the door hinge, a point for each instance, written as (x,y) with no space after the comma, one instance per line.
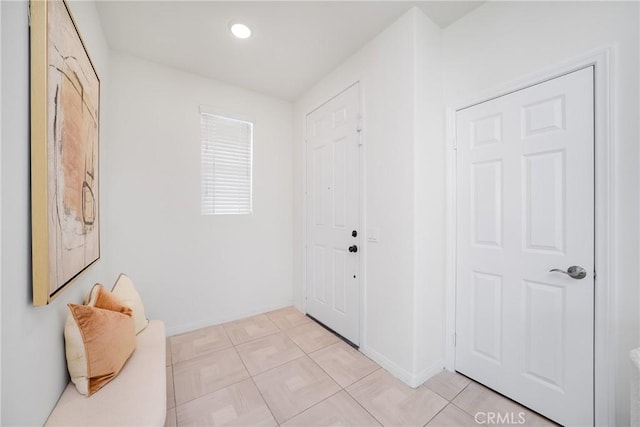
(359,130)
(594,275)
(454,339)
(29,14)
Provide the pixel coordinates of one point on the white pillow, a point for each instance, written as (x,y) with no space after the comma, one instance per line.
(125,290)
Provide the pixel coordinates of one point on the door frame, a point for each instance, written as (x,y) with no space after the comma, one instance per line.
(362,243)
(603,61)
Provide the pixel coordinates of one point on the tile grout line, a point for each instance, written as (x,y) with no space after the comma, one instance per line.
(305,354)
(358,402)
(317,403)
(273,367)
(260,373)
(281,330)
(363,408)
(461,390)
(349,385)
(265,401)
(255,339)
(257,388)
(310,322)
(307,320)
(524,409)
(250,377)
(232,344)
(207,353)
(334,380)
(173,361)
(449,401)
(437,413)
(463,410)
(214,391)
(175,404)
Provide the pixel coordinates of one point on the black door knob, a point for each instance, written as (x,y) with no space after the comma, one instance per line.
(354,233)
(353,248)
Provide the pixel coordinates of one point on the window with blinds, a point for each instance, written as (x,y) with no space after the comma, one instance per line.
(226,165)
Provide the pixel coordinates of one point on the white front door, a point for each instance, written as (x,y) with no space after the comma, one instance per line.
(333,214)
(525,206)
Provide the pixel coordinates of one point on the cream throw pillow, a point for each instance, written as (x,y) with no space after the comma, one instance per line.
(125,290)
(98,340)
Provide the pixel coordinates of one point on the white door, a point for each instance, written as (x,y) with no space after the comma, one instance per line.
(525,206)
(333,200)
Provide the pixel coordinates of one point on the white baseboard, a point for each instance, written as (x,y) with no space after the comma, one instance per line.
(217,320)
(412,380)
(429,372)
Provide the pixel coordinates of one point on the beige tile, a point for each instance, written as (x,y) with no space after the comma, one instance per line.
(199,342)
(171,398)
(236,405)
(208,373)
(311,336)
(170,420)
(251,328)
(338,410)
(452,416)
(343,363)
(394,403)
(532,418)
(477,398)
(268,352)
(447,384)
(287,318)
(168,348)
(293,387)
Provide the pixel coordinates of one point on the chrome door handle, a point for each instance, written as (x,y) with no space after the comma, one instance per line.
(575,272)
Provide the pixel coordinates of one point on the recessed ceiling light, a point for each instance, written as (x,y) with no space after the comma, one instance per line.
(241,31)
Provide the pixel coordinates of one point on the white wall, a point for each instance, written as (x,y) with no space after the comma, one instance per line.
(397,147)
(502,41)
(0,211)
(34,370)
(194,270)
(429,201)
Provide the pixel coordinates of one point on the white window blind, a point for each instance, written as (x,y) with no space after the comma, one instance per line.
(226,165)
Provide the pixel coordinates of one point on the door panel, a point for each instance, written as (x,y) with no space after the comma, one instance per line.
(487,316)
(486,220)
(333,201)
(525,205)
(544,202)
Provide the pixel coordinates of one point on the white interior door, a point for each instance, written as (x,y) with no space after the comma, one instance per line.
(525,206)
(333,214)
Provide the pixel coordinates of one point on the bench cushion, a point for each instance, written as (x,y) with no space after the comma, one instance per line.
(137,396)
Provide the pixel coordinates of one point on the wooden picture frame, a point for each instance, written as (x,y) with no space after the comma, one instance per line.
(65,106)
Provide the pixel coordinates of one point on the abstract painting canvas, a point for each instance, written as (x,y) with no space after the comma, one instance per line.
(65,99)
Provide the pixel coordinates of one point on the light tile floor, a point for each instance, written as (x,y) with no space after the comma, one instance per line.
(282,368)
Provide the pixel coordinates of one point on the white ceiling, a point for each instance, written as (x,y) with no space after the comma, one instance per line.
(293,44)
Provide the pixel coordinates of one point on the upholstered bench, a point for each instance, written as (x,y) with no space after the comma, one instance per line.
(136,397)
(116,359)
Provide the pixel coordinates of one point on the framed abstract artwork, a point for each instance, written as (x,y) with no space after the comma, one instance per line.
(65,101)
